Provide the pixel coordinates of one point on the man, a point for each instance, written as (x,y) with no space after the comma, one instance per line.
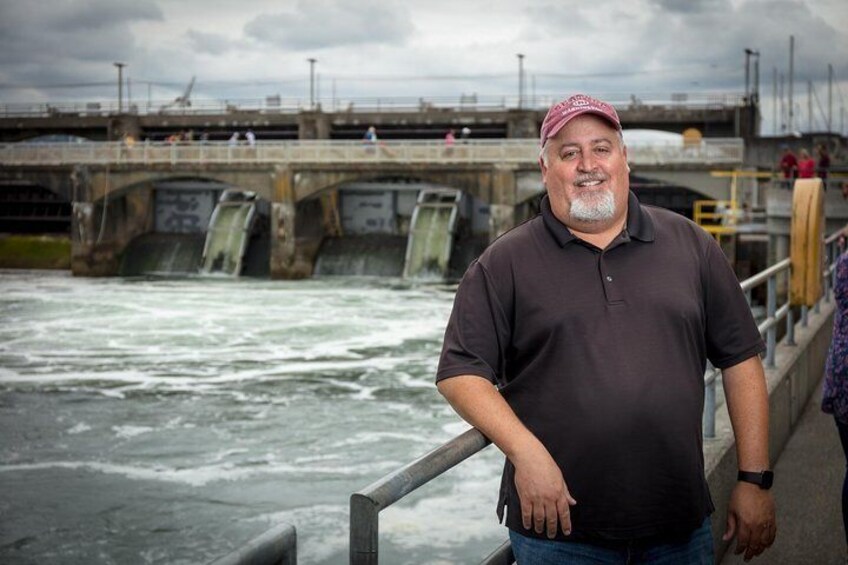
(595,320)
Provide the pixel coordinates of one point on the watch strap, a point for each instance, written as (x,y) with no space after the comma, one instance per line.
(762,479)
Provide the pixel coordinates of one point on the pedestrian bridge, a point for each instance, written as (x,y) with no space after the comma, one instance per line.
(116,188)
(316,166)
(711,152)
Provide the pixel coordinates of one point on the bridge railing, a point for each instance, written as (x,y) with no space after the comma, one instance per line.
(718,151)
(366,504)
(276,104)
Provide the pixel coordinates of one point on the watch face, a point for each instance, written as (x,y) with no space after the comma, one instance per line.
(768,479)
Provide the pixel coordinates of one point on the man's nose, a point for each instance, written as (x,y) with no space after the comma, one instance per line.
(586,162)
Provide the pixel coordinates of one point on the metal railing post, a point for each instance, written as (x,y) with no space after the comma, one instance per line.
(771,310)
(364,530)
(708,420)
(829,277)
(790,327)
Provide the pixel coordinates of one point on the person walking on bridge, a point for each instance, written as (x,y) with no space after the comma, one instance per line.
(563,349)
(835,388)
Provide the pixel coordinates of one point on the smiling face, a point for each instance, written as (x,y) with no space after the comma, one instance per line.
(584,168)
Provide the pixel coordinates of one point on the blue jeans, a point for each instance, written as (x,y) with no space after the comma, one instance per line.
(697,549)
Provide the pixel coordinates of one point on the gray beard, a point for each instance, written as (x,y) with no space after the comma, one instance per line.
(593,207)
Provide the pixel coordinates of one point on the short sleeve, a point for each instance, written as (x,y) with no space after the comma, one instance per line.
(732,335)
(477,331)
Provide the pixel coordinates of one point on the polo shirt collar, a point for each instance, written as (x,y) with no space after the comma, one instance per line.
(639,223)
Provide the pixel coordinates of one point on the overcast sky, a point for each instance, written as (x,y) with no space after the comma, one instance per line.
(63,50)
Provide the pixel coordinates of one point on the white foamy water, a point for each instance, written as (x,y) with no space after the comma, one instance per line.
(171,421)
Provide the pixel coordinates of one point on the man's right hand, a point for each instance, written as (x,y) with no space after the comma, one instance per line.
(545,500)
(544,496)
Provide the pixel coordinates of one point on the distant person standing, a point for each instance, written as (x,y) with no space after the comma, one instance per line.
(450,140)
(806,165)
(370,135)
(234,139)
(835,390)
(370,139)
(789,163)
(824,162)
(465,134)
(251,138)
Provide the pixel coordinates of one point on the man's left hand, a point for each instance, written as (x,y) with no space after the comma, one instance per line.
(751,518)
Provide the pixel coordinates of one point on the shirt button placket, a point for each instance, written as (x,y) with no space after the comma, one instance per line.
(610,289)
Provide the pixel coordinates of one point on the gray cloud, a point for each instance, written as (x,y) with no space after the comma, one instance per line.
(210,43)
(762,26)
(693,6)
(316,24)
(56,33)
(418,48)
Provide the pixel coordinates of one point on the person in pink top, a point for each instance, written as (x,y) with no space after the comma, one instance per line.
(806,165)
(450,139)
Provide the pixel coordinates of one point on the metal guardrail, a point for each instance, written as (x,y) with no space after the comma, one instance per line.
(275,104)
(366,504)
(277,546)
(714,151)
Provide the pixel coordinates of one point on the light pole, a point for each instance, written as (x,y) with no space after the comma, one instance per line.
(312,62)
(752,93)
(120,85)
(520,80)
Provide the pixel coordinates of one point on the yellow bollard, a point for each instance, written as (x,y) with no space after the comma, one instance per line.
(807,240)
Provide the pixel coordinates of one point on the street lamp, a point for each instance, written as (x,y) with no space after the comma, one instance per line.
(520,80)
(754,93)
(120,85)
(312,62)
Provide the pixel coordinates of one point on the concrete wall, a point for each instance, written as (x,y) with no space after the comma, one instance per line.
(799,369)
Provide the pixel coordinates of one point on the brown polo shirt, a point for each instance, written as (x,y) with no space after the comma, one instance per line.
(601,354)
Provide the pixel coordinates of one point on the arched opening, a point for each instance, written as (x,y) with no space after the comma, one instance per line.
(170,225)
(392,226)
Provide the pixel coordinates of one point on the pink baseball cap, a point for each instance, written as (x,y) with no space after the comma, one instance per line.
(563,112)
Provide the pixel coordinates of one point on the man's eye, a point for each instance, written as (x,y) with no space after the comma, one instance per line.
(568,155)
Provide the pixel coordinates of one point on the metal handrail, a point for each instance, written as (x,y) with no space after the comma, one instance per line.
(366,504)
(712,151)
(280,104)
(277,546)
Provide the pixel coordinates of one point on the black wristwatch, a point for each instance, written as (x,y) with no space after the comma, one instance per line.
(762,479)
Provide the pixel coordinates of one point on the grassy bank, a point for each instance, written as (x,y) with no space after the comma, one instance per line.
(35,252)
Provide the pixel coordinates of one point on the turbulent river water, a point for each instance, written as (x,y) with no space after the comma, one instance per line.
(171,421)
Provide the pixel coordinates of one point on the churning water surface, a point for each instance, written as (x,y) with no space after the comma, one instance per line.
(171,421)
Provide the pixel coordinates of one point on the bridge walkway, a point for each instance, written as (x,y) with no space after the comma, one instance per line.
(807,491)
